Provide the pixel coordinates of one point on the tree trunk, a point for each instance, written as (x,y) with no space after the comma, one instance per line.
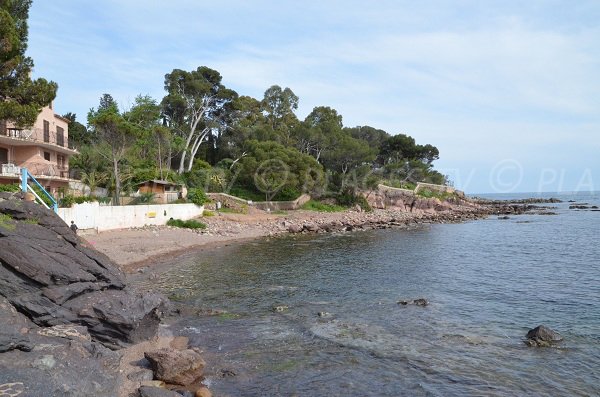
(117,197)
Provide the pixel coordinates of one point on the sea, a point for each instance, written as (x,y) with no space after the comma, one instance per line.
(318,315)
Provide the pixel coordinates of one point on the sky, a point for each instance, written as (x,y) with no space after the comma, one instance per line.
(509,91)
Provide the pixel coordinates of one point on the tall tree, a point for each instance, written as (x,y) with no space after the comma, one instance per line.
(279,106)
(114,131)
(193,107)
(21,98)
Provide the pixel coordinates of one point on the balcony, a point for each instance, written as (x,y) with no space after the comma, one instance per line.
(40,171)
(38,137)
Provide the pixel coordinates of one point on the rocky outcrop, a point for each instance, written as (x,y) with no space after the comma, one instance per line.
(49,277)
(542,336)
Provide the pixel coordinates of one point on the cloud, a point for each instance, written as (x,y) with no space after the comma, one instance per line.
(482,82)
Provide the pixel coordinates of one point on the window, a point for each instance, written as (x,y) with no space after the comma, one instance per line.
(60,136)
(47,156)
(60,160)
(46,131)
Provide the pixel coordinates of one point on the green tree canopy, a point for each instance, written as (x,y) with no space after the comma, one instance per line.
(21,98)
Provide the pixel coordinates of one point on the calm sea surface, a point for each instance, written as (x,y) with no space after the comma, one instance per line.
(487,281)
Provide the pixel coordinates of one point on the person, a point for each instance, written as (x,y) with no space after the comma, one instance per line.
(74,227)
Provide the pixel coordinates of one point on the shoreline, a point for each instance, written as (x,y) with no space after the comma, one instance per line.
(139,248)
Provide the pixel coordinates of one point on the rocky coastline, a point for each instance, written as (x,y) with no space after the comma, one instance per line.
(72,326)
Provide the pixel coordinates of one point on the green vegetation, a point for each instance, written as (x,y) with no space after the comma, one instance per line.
(208,213)
(13,187)
(190,224)
(428,193)
(197,196)
(32,221)
(21,98)
(7,223)
(314,205)
(68,200)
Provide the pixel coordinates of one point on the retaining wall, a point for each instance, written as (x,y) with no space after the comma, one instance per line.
(242,205)
(93,216)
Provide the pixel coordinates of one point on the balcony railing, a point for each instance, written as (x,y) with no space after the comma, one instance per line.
(38,135)
(38,170)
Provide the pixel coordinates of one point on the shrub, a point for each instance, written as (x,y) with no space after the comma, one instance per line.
(191,224)
(313,205)
(13,187)
(349,198)
(197,196)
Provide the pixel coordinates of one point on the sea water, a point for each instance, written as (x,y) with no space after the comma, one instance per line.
(339,330)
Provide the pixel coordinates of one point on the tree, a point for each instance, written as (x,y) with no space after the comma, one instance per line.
(193,107)
(21,98)
(115,132)
(279,106)
(78,133)
(271,168)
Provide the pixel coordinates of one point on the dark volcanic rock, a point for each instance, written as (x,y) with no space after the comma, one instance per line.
(180,367)
(52,277)
(14,328)
(542,336)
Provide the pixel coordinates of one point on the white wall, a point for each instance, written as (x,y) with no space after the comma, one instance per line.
(101,218)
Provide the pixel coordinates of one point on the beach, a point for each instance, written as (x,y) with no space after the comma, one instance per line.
(137,248)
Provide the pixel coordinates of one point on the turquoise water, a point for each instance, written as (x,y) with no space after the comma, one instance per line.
(487,282)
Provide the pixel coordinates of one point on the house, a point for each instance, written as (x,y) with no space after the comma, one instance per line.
(164,191)
(43,149)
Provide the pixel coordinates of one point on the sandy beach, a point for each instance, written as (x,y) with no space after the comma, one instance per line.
(132,249)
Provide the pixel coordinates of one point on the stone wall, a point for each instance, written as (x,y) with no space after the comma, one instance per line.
(93,216)
(242,205)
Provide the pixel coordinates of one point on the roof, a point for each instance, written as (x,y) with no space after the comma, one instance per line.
(159,182)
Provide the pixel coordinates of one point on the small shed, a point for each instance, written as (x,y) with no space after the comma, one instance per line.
(164,191)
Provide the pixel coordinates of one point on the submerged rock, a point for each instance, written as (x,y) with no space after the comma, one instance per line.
(417,302)
(542,336)
(152,391)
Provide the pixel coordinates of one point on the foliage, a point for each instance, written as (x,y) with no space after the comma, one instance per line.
(7,223)
(314,205)
(350,198)
(13,187)
(190,224)
(21,98)
(197,196)
(144,198)
(68,200)
(428,193)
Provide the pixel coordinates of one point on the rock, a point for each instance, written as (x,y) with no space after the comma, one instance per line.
(180,367)
(227,373)
(203,392)
(294,228)
(150,391)
(578,207)
(403,302)
(503,217)
(421,302)
(141,375)
(53,278)
(14,328)
(542,336)
(311,227)
(279,309)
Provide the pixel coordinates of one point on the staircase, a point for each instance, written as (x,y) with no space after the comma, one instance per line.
(26,177)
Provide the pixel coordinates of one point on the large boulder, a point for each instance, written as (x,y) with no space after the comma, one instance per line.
(179,367)
(51,277)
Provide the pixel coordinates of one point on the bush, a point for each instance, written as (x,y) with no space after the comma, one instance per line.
(349,198)
(197,196)
(68,200)
(191,224)
(313,205)
(13,187)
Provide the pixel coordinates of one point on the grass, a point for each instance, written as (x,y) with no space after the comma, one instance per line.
(314,205)
(208,213)
(191,224)
(6,222)
(246,194)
